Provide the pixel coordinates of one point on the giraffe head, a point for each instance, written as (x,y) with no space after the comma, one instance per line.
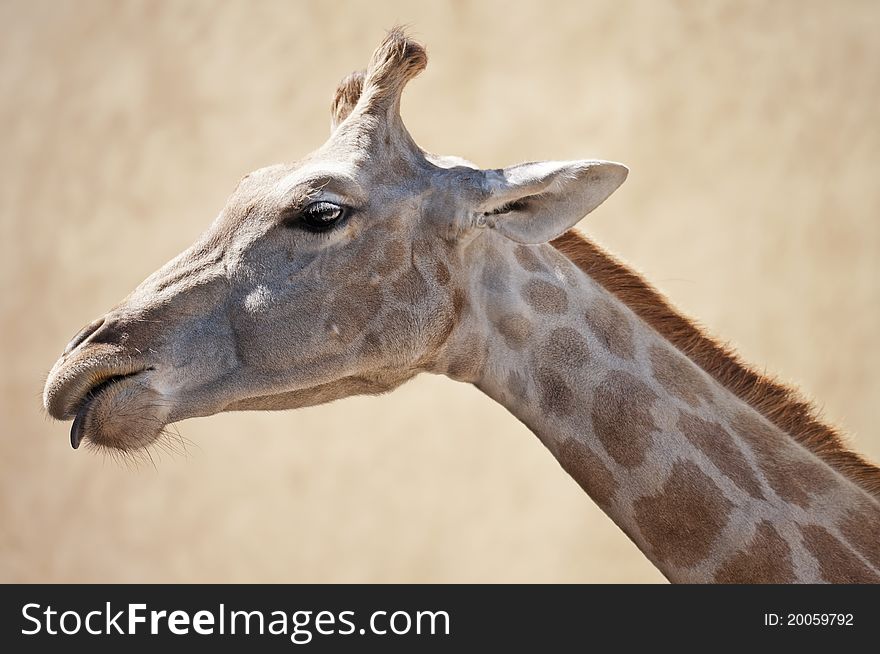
(338,275)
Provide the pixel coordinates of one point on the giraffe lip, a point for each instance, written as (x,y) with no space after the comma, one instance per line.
(78,429)
(73,380)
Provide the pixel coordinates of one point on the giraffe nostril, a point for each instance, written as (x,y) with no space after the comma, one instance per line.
(83,334)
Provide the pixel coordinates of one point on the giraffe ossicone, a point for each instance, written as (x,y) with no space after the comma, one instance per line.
(370,261)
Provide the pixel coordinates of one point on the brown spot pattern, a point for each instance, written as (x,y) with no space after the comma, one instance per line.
(392,259)
(447,318)
(445,326)
(721,449)
(793,474)
(465,364)
(566,347)
(393,337)
(423,248)
(836,564)
(678,375)
(587,469)
(458,302)
(545,297)
(683,521)
(765,560)
(527,259)
(515,329)
(410,287)
(517,385)
(781,404)
(390,338)
(352,308)
(556,397)
(622,417)
(861,527)
(611,327)
(441,274)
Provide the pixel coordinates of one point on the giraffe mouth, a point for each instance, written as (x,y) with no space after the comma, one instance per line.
(117,403)
(99,402)
(91,396)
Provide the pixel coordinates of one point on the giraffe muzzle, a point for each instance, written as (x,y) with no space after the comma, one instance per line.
(99,383)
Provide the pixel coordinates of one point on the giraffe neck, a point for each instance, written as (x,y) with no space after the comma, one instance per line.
(705,486)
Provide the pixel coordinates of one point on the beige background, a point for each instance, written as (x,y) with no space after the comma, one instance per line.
(751,132)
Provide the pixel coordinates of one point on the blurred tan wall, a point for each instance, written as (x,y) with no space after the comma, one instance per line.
(751,131)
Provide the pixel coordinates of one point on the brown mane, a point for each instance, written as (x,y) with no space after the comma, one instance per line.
(780,404)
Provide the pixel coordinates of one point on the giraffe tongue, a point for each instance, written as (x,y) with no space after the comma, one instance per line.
(78,428)
(77,431)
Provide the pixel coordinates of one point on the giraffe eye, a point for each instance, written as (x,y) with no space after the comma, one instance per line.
(321,216)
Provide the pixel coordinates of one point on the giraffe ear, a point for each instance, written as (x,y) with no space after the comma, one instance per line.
(536,202)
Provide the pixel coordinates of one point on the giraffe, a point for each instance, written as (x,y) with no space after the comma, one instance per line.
(371,261)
